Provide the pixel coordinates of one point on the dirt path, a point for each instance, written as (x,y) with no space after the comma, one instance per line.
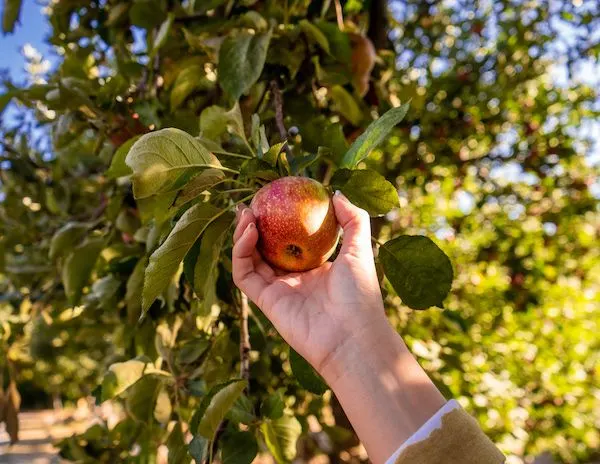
(38,430)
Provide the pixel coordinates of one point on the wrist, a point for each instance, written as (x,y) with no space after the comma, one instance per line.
(358,351)
(382,388)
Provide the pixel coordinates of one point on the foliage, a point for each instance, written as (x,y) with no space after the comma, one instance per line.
(164,115)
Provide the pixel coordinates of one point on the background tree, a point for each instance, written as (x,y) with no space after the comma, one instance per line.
(489,161)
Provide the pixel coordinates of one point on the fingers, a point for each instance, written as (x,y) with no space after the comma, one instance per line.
(244,216)
(356,225)
(243,262)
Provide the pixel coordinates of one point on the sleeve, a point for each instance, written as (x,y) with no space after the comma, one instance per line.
(451,436)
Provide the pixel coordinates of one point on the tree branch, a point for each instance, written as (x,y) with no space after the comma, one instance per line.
(278,103)
(339,14)
(244,338)
(378,24)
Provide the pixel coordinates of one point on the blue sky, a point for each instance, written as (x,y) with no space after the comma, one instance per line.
(33,30)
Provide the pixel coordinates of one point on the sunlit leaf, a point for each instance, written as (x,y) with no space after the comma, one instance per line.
(367,189)
(373,136)
(281,436)
(165,160)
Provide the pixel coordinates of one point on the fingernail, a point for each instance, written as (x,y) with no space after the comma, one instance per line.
(249,227)
(238,208)
(339,194)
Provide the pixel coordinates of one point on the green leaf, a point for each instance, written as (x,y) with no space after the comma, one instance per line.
(104,290)
(205,262)
(314,35)
(216,121)
(288,50)
(192,350)
(162,34)
(118,168)
(194,188)
(281,436)
(65,238)
(216,405)
(121,376)
(165,261)
(305,374)
(367,189)
(178,451)
(418,269)
(242,411)
(239,448)
(147,399)
(273,406)
(10,15)
(272,154)
(339,42)
(299,163)
(253,20)
(146,14)
(373,136)
(5,99)
(198,449)
(133,291)
(331,74)
(241,60)
(346,105)
(191,79)
(158,207)
(256,168)
(319,132)
(165,160)
(78,267)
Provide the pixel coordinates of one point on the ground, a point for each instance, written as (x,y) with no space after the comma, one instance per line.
(38,430)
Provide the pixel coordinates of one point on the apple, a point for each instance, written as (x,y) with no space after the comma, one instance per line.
(296,223)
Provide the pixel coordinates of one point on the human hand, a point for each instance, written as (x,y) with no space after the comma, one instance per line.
(333,316)
(320,311)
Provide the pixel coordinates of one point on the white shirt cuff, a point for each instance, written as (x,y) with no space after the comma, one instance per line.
(435,422)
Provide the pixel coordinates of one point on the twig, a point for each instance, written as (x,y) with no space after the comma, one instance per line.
(339,14)
(377,241)
(244,338)
(278,103)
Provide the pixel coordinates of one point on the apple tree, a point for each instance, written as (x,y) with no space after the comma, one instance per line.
(121,171)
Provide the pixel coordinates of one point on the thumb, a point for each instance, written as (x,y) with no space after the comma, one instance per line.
(356,225)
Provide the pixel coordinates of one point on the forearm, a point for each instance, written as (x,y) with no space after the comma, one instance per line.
(384,392)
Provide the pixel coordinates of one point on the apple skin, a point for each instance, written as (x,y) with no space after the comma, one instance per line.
(296,223)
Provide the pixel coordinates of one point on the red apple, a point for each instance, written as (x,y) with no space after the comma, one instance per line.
(296,223)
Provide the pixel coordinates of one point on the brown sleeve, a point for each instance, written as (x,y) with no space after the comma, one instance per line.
(458,441)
